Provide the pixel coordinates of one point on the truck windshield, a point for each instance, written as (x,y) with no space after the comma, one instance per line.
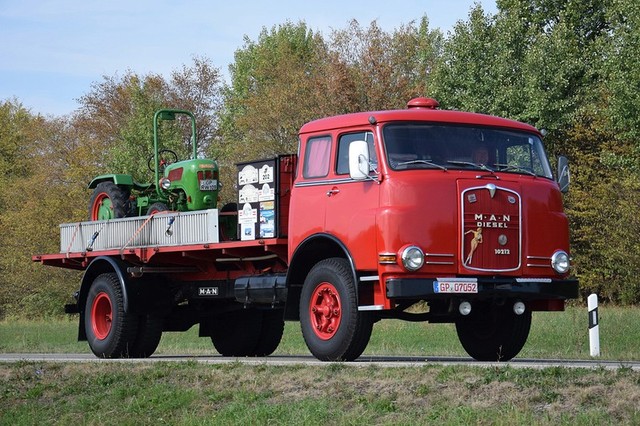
(421,146)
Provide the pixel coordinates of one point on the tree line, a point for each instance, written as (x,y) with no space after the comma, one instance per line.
(567,67)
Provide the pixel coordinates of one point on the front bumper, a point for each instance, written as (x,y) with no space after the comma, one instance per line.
(525,289)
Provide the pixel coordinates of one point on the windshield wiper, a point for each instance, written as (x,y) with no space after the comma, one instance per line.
(469,163)
(514,168)
(427,162)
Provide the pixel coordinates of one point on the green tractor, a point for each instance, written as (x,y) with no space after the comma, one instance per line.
(185,185)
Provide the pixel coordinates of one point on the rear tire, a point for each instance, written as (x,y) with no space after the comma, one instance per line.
(271,332)
(237,334)
(332,326)
(148,336)
(108,201)
(110,331)
(493,333)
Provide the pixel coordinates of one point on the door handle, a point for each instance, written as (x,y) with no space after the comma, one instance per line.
(333,191)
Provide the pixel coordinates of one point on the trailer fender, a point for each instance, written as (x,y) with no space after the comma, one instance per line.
(101,265)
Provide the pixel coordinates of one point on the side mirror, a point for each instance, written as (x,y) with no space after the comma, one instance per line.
(563,174)
(359,160)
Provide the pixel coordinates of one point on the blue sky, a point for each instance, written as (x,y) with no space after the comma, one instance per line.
(51,51)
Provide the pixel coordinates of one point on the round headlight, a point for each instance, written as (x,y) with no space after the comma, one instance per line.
(412,258)
(165,183)
(560,262)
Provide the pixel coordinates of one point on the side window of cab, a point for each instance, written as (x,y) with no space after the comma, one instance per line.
(317,157)
(342,165)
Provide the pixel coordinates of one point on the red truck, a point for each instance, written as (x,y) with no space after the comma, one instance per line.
(453,212)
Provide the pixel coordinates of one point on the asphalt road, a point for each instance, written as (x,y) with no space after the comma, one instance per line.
(363,361)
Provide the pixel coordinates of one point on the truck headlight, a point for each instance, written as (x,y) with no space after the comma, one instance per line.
(412,258)
(560,262)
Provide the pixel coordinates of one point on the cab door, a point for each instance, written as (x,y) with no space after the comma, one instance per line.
(351,206)
(308,195)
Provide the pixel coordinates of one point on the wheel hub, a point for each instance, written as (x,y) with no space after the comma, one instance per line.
(101,316)
(325,311)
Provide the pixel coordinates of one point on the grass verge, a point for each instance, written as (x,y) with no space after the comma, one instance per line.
(193,393)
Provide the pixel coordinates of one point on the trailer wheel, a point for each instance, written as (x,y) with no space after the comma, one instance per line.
(108,201)
(493,333)
(271,332)
(237,334)
(332,326)
(148,336)
(110,330)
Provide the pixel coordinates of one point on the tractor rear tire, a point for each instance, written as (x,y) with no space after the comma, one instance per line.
(108,201)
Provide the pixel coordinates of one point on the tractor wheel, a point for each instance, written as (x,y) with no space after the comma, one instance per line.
(493,333)
(108,201)
(110,331)
(157,207)
(332,326)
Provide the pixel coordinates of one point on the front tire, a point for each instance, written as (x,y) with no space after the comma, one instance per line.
(110,331)
(332,326)
(493,333)
(157,208)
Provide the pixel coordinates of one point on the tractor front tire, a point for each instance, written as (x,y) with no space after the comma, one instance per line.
(108,201)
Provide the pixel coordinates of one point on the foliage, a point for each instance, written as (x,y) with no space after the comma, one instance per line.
(118,112)
(568,67)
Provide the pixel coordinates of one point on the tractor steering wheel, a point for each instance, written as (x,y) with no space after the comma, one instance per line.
(165,157)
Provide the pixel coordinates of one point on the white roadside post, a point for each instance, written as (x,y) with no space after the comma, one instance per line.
(594,329)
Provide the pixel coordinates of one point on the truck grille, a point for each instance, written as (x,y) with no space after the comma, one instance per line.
(490,236)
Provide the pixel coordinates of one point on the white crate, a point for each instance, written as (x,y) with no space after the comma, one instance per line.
(199,227)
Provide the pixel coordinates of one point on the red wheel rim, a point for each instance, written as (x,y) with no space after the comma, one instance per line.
(325,311)
(102,209)
(101,316)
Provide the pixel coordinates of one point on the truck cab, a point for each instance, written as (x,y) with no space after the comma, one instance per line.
(457,210)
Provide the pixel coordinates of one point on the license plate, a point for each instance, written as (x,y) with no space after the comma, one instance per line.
(208,185)
(455,287)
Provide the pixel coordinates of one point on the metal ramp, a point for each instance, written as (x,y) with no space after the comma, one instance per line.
(161,229)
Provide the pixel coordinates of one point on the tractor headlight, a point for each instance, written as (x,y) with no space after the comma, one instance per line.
(165,183)
(560,262)
(412,258)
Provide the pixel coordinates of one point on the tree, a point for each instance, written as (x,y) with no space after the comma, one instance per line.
(119,113)
(34,201)
(387,69)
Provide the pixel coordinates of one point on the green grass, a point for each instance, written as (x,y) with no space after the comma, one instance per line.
(187,393)
(561,335)
(236,394)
